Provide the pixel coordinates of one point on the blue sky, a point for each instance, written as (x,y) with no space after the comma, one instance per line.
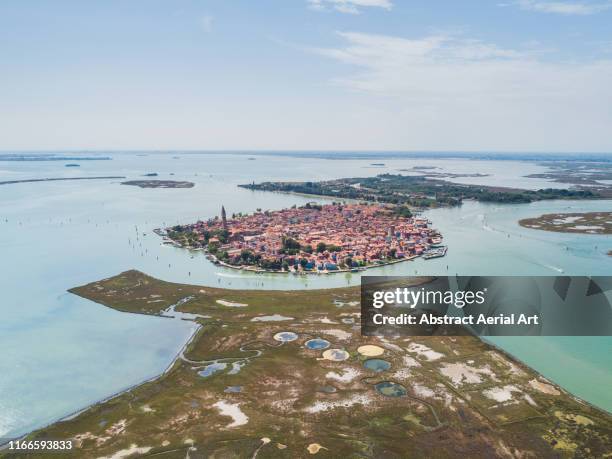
(525,75)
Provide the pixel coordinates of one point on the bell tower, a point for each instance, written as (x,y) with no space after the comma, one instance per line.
(223,217)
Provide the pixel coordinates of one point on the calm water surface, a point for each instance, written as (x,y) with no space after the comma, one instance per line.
(61,352)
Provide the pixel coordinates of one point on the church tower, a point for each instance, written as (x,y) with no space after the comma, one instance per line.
(223,217)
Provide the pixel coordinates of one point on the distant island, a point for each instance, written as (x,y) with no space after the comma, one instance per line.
(72,165)
(596,175)
(586,223)
(159,184)
(12,182)
(442,174)
(418,191)
(313,238)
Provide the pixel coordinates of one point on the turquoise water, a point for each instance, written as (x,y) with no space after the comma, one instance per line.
(61,352)
(317,344)
(377,365)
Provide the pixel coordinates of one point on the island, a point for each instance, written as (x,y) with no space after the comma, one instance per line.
(287,374)
(59,179)
(313,238)
(159,184)
(418,191)
(427,172)
(594,175)
(585,223)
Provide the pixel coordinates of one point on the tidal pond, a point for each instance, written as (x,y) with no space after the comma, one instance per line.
(390,389)
(285,337)
(212,369)
(336,355)
(317,344)
(377,365)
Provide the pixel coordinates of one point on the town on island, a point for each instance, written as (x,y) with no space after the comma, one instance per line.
(313,238)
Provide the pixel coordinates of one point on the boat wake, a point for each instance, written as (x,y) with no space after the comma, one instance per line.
(554,268)
(547,266)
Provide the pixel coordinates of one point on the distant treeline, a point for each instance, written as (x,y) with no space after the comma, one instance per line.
(418,191)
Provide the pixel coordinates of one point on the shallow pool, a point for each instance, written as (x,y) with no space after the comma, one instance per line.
(377,365)
(317,344)
(285,337)
(337,355)
(212,369)
(391,389)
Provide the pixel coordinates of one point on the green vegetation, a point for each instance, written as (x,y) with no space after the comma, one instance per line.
(185,236)
(403,211)
(322,247)
(417,191)
(291,247)
(284,394)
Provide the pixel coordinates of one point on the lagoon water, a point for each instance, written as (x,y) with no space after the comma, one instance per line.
(61,352)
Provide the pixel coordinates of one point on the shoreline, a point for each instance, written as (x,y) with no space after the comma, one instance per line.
(216,261)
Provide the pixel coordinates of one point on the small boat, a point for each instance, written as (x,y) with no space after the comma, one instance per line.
(436,241)
(435,253)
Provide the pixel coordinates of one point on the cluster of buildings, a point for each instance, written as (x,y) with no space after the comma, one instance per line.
(315,238)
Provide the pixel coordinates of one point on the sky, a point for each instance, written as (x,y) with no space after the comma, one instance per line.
(508,75)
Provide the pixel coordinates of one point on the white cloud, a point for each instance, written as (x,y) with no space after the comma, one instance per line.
(451,91)
(565,8)
(348,6)
(206,22)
